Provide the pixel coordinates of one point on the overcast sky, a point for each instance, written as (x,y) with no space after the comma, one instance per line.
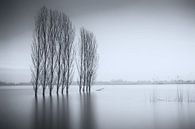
(137,39)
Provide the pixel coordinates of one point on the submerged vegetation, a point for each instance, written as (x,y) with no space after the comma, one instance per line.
(53,53)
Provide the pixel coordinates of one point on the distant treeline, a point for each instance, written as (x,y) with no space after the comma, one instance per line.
(14,84)
(145,82)
(54,53)
(115,83)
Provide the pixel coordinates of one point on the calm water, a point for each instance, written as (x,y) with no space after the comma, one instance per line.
(112,107)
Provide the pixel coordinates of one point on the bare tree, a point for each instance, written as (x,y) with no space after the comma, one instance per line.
(44,47)
(67,52)
(38,49)
(80,61)
(36,58)
(92,61)
(52,51)
(87,60)
(64,49)
(52,37)
(59,50)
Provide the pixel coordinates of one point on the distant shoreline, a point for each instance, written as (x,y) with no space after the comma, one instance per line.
(113,83)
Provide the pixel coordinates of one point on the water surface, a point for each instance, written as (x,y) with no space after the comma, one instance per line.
(112,107)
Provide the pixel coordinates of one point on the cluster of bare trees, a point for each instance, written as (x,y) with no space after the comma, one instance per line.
(87,59)
(53,53)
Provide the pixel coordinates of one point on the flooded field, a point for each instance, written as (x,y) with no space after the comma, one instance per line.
(106,107)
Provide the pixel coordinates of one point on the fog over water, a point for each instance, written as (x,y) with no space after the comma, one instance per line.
(137,40)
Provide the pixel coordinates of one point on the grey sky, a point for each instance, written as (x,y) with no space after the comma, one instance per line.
(137,39)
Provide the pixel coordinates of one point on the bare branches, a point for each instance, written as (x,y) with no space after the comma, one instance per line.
(52,38)
(59,50)
(53,53)
(68,51)
(67,57)
(87,60)
(37,52)
(52,50)
(43,24)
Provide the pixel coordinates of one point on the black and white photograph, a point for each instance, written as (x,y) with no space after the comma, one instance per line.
(97,64)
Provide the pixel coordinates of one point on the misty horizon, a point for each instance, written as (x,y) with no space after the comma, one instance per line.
(23,76)
(137,40)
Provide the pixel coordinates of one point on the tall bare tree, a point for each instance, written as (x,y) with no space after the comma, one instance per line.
(52,51)
(36,57)
(38,50)
(59,51)
(80,59)
(87,59)
(52,37)
(44,47)
(67,52)
(64,49)
(92,59)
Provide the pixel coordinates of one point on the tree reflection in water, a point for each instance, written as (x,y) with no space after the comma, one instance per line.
(53,112)
(87,113)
